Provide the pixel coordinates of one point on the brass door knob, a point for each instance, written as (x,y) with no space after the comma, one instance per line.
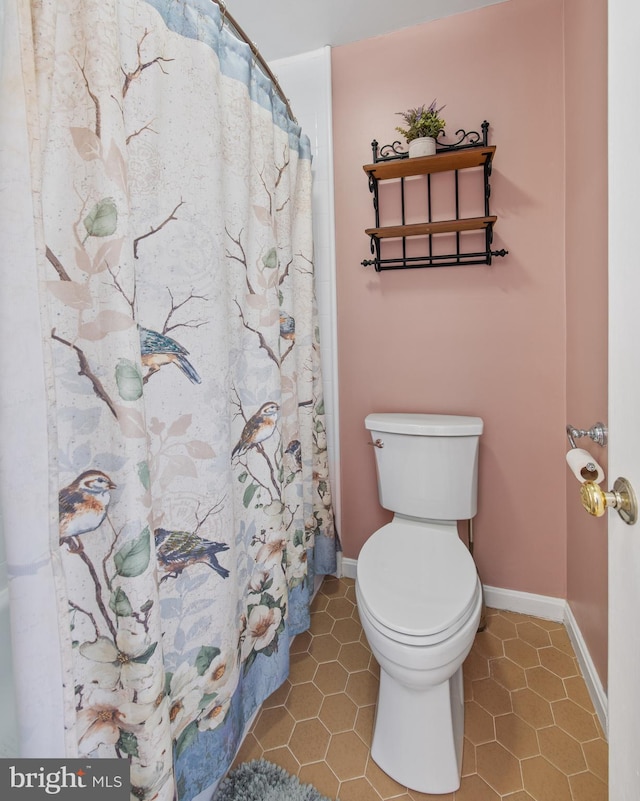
(622,498)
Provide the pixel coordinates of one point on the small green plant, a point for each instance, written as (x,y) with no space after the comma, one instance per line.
(422,121)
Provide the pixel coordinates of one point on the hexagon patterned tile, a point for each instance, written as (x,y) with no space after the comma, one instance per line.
(531,732)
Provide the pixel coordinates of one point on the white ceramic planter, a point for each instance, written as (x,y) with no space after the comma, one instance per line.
(423,146)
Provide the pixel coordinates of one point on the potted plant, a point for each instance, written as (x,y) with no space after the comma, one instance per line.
(423,126)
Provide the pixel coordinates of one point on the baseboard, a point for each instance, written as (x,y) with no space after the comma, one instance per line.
(527,603)
(589,672)
(543,606)
(348,567)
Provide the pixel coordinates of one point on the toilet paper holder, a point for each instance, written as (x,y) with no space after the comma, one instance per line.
(597,432)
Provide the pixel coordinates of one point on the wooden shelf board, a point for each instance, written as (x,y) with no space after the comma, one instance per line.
(441,162)
(424,229)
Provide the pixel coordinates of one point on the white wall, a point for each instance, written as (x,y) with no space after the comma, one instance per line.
(306,81)
(4,577)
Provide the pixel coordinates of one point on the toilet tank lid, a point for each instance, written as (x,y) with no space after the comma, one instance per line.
(424,425)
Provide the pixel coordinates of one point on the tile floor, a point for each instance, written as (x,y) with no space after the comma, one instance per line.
(531,733)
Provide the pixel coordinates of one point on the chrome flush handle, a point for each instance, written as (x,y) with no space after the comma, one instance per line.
(377,444)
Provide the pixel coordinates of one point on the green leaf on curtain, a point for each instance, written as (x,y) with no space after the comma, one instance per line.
(271,259)
(296,582)
(243,477)
(133,558)
(129,380)
(248,495)
(186,738)
(143,475)
(120,604)
(320,406)
(128,743)
(249,661)
(298,538)
(102,220)
(206,655)
(206,700)
(271,649)
(269,601)
(146,656)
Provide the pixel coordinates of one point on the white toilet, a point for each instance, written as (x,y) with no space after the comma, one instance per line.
(418,594)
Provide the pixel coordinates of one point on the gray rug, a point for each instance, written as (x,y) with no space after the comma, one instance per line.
(263,781)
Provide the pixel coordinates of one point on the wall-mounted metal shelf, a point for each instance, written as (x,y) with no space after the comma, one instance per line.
(471,150)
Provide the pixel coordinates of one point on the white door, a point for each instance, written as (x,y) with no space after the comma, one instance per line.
(624,395)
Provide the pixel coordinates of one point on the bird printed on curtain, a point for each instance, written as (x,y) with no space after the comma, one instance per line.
(294,450)
(83,503)
(287,327)
(158,349)
(257,428)
(177,550)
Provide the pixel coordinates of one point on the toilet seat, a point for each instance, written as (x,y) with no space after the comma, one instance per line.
(417,581)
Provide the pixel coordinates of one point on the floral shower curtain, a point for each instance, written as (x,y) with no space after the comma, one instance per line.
(157,265)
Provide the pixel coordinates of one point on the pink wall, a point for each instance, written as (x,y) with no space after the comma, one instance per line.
(586,272)
(487,341)
(522,343)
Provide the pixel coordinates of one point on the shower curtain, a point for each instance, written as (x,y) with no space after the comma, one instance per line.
(164,481)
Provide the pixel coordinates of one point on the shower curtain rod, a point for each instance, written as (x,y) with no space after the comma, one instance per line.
(226,17)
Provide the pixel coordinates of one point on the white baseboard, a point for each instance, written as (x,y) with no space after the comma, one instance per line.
(527,603)
(348,567)
(589,672)
(543,606)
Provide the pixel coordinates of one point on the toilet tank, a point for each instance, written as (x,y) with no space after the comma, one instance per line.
(427,464)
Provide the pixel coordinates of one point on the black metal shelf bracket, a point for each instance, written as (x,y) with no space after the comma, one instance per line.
(465,139)
(407,262)
(393,152)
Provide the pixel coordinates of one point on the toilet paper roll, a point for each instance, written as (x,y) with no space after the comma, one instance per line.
(583,466)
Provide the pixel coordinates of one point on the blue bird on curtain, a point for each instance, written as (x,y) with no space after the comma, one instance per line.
(158,349)
(177,550)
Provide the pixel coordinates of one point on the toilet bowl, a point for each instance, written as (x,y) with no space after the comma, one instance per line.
(419,596)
